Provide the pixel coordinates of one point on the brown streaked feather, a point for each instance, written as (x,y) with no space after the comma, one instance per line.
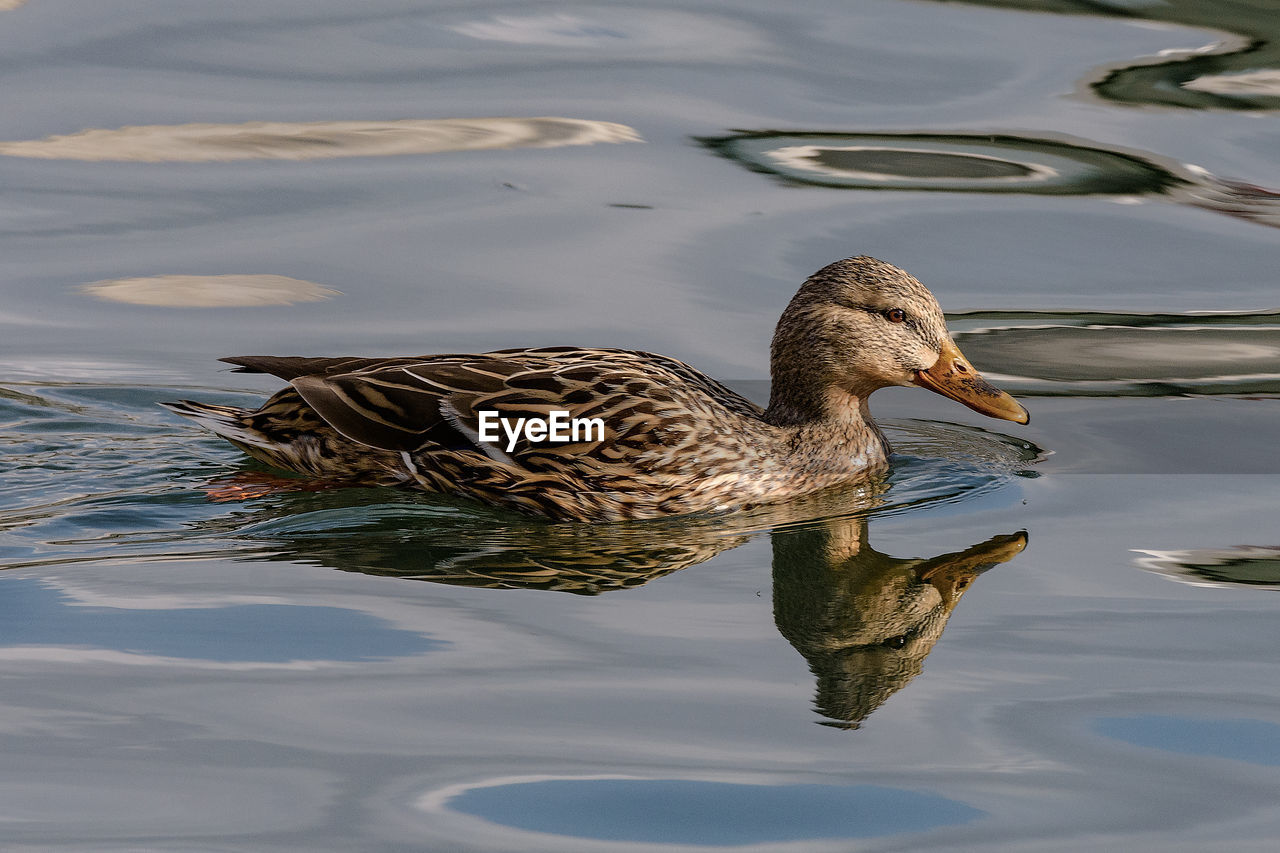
(371,414)
(291,367)
(666,448)
(417,420)
(409,406)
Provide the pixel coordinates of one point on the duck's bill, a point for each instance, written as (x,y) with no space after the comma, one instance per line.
(952,376)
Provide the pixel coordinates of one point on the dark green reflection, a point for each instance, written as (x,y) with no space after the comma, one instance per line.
(919,164)
(1238,566)
(422,544)
(995,163)
(1131,355)
(863,620)
(1245,76)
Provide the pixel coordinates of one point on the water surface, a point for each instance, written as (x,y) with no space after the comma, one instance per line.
(1059,636)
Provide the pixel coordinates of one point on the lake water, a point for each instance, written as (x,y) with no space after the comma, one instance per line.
(1088,188)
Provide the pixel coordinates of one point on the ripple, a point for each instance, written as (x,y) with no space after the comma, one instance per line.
(619,31)
(1231,77)
(1084,354)
(1251,566)
(1234,198)
(1266,82)
(100,474)
(933,462)
(698,812)
(559,30)
(988,163)
(412,535)
(209,291)
(1240,72)
(97,471)
(90,467)
(943,162)
(267,140)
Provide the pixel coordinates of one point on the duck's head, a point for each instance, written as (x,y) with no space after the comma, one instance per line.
(861,324)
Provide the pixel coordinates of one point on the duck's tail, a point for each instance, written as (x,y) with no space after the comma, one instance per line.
(230,422)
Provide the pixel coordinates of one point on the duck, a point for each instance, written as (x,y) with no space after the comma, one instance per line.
(658,438)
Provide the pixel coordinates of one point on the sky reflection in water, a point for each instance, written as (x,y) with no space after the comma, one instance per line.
(32,613)
(708,813)
(1254,741)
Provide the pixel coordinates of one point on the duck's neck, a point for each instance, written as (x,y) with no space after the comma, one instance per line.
(820,410)
(829,429)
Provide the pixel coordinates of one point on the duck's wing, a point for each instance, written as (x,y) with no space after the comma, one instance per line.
(641,404)
(695,381)
(290,367)
(405,406)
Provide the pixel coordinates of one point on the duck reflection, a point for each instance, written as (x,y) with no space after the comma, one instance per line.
(863,620)
(578,560)
(456,542)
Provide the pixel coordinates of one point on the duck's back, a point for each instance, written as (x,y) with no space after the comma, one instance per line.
(628,434)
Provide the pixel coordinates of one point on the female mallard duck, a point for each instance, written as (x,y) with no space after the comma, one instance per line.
(674,440)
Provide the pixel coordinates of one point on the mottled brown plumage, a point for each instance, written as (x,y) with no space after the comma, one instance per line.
(675,441)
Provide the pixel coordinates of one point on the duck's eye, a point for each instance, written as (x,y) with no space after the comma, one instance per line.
(896,315)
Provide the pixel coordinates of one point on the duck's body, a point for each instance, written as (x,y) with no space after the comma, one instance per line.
(673,440)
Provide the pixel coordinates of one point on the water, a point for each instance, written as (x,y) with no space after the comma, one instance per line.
(1058,636)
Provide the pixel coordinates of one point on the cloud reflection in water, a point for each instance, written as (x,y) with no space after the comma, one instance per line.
(209,291)
(316,140)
